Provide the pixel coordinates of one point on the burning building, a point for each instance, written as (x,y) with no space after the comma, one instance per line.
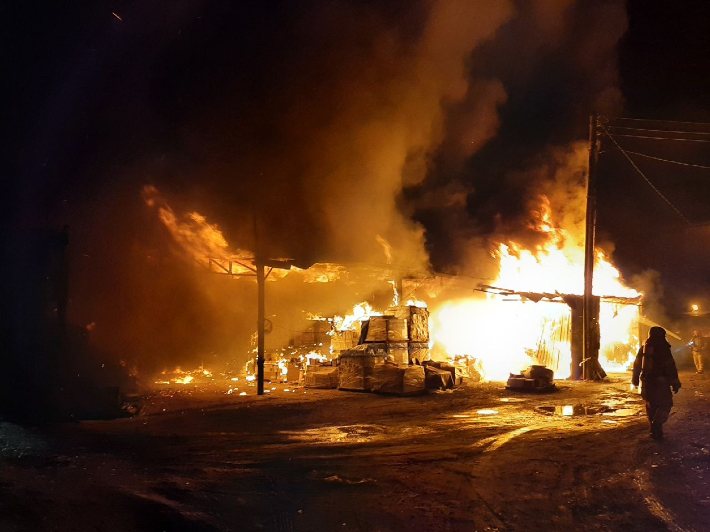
(529,314)
(399,164)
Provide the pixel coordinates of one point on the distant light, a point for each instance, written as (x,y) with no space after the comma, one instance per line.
(568,410)
(694,307)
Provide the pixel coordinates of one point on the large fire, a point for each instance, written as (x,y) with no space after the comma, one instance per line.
(507,334)
(525,321)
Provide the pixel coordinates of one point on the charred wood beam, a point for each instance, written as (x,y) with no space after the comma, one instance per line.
(556,297)
(250,268)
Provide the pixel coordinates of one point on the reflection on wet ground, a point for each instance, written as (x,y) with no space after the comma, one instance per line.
(586,410)
(477,458)
(352,433)
(512,415)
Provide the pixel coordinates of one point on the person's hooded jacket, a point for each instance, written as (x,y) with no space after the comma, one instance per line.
(654,365)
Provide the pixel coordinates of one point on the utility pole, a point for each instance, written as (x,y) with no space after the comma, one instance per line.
(258,270)
(590,349)
(224,266)
(260,278)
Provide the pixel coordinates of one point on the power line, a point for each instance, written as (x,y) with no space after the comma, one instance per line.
(655,120)
(668,160)
(661,138)
(662,130)
(644,176)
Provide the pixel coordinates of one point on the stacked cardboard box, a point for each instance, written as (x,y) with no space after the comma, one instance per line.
(417,322)
(404,331)
(272,371)
(357,366)
(387,345)
(317,333)
(398,380)
(321,377)
(342,340)
(417,330)
(293,373)
(395,352)
(418,352)
(385,329)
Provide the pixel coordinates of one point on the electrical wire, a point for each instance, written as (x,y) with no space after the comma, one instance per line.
(644,176)
(668,160)
(661,130)
(655,120)
(661,138)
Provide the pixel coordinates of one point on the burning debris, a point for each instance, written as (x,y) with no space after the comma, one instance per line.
(533,320)
(533,379)
(385,359)
(351,351)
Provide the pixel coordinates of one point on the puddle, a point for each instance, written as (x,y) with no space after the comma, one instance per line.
(586,410)
(348,434)
(326,477)
(574,410)
(622,412)
(487,412)
(337,434)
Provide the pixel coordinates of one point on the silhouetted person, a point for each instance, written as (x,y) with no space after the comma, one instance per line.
(697,344)
(655,368)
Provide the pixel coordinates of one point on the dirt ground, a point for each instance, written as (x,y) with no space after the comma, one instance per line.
(479,458)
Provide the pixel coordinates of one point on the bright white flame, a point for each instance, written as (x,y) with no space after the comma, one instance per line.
(315,355)
(395,294)
(507,334)
(500,334)
(416,303)
(361,312)
(283,366)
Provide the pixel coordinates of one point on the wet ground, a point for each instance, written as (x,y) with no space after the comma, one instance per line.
(479,458)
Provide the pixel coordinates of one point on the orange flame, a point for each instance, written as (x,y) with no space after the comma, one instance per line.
(506,336)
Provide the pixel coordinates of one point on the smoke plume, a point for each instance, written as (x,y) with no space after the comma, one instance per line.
(408,136)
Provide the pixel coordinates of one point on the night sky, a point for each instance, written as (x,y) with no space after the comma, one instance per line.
(319,115)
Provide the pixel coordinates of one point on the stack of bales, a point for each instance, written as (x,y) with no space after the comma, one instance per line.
(387,346)
(343,340)
(417,330)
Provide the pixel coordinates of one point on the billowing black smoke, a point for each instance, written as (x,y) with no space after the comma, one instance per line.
(344,129)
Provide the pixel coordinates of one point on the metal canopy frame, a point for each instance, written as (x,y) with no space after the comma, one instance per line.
(255,269)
